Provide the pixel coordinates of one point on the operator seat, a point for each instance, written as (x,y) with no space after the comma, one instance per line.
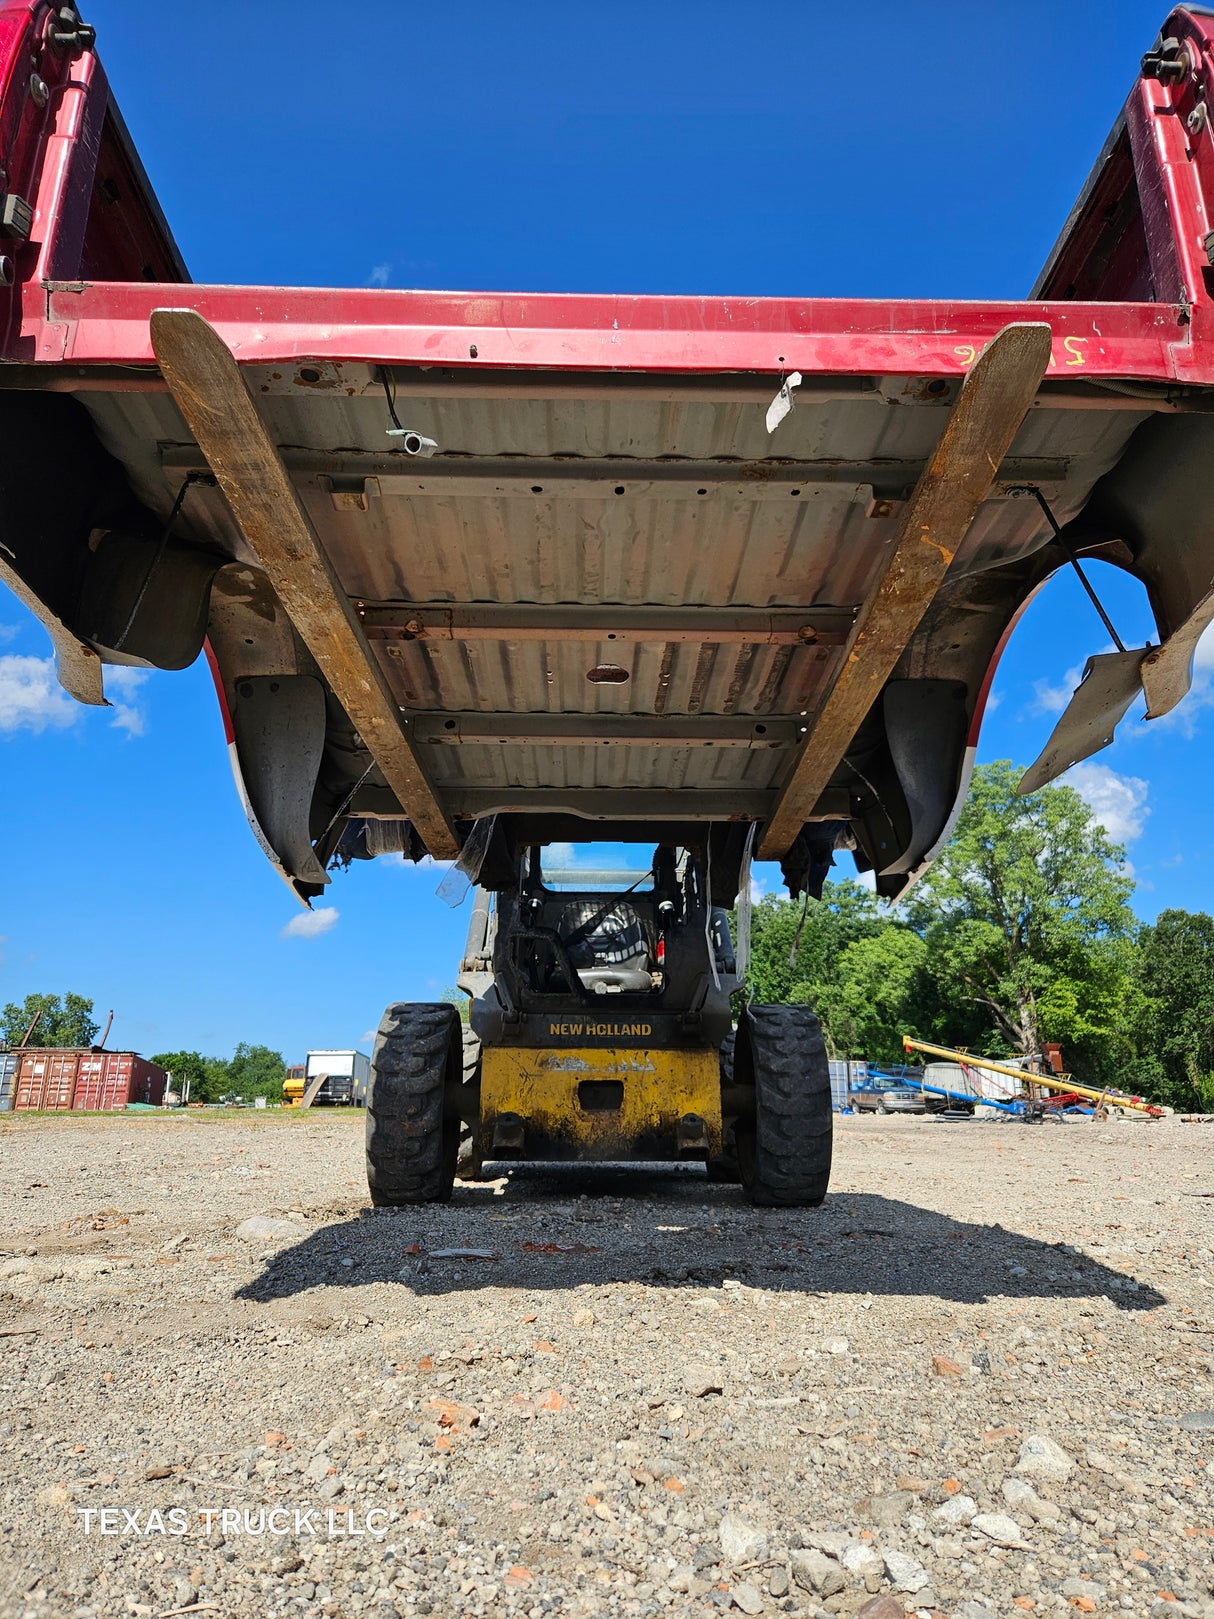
(614,958)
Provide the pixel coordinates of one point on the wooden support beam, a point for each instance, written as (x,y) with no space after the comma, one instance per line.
(210,392)
(995,398)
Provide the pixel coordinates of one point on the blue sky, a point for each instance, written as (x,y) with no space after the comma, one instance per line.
(923,151)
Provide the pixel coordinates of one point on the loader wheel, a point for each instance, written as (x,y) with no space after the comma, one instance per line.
(413,1105)
(784,1143)
(468,1162)
(724,1170)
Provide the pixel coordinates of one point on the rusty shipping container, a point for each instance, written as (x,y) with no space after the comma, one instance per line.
(9,1063)
(108,1080)
(46,1079)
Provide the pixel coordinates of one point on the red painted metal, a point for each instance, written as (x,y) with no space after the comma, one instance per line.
(53,153)
(1174,164)
(90,1079)
(46,1080)
(107,323)
(108,1080)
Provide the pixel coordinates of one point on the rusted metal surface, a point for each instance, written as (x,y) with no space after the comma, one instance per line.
(107,1080)
(993,402)
(77,665)
(1167,670)
(733,603)
(46,1079)
(602,730)
(208,389)
(596,1105)
(1110,683)
(701,626)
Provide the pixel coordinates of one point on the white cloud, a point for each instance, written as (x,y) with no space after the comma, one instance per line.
(1053,699)
(9,632)
(123,679)
(31,696)
(310,924)
(379,275)
(1118,803)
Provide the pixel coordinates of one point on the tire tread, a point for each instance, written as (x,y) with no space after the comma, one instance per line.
(412,1138)
(781,1051)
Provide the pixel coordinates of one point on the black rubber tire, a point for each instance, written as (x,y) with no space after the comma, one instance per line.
(413,1105)
(784,1146)
(468,1160)
(724,1170)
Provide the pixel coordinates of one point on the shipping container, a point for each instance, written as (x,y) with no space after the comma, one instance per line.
(46,1079)
(109,1080)
(9,1063)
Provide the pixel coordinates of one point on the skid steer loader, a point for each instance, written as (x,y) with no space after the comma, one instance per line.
(600,1032)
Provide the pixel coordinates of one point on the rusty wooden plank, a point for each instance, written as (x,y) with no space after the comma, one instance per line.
(205,381)
(997,394)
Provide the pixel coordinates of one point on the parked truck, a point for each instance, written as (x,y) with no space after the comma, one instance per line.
(344,1077)
(481,573)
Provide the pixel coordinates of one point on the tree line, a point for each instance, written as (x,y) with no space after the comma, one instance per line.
(67,1022)
(249,1072)
(1020,934)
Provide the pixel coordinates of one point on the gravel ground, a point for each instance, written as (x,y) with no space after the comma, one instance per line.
(977,1381)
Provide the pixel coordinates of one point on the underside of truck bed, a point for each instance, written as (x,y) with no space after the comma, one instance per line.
(556,559)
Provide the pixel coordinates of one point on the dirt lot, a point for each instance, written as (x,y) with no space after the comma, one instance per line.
(976,1381)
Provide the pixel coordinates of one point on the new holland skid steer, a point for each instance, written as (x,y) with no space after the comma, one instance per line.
(482,573)
(598,1025)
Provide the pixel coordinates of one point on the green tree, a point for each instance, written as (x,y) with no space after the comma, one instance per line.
(871,1000)
(456,998)
(208,1076)
(1175,980)
(1026,921)
(256,1071)
(845,913)
(65,1021)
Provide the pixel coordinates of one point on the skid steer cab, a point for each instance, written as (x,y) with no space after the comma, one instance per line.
(600,1031)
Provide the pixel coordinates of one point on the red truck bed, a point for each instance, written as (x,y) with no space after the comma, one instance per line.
(604,590)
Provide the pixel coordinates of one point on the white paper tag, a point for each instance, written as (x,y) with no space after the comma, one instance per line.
(783,404)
